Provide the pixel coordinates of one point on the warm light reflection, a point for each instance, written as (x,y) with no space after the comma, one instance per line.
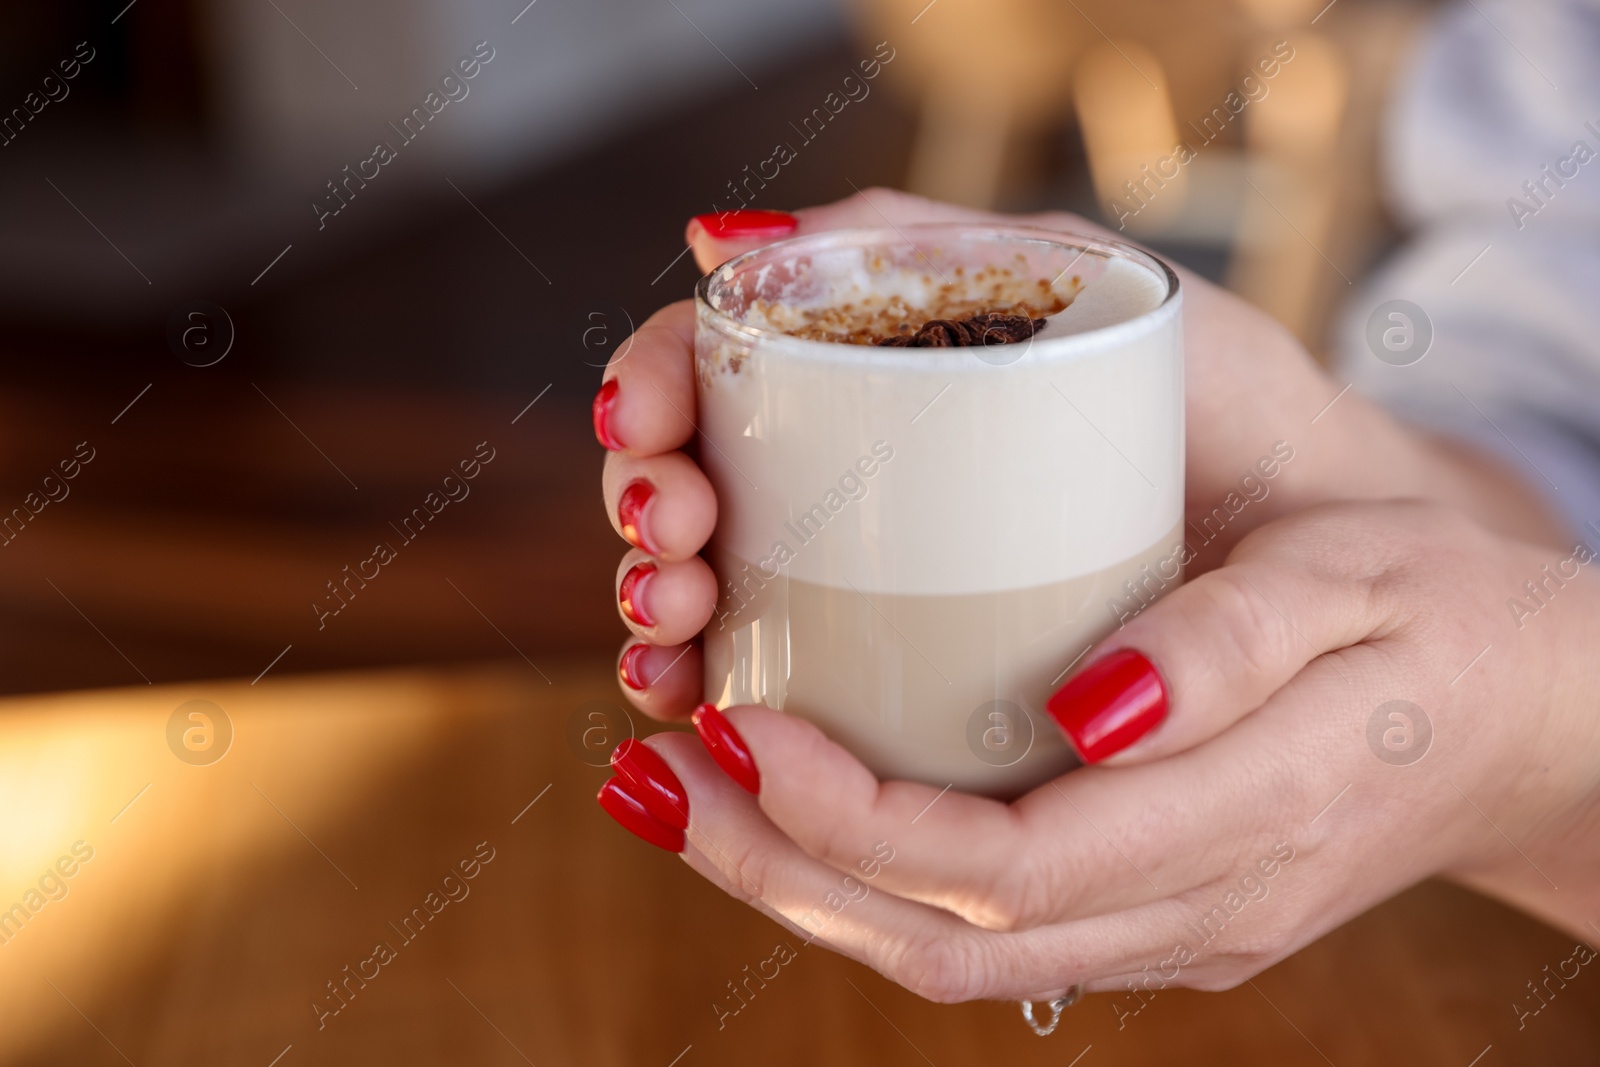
(1128,127)
(95,770)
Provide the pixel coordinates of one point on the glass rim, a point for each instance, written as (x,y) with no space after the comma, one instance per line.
(824,350)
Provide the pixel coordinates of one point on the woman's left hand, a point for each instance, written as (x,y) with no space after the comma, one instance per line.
(1354,706)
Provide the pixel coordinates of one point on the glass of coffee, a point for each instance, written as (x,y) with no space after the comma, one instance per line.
(948,458)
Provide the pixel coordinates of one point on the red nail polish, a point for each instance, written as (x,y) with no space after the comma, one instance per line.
(630,513)
(627,809)
(727,748)
(631,593)
(735,225)
(604,401)
(1109,705)
(652,782)
(630,667)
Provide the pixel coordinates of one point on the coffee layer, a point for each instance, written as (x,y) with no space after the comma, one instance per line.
(947,690)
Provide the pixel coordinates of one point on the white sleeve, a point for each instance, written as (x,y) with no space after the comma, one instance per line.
(1499,171)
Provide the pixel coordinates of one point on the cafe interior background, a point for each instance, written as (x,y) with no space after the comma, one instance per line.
(254,367)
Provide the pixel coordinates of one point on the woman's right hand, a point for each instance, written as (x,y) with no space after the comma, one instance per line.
(1249,387)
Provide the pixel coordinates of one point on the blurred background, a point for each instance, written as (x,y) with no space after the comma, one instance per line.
(274,340)
(198,159)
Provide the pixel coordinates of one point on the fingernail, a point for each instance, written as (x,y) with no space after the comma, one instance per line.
(631,593)
(635,817)
(630,513)
(732,225)
(630,667)
(1111,704)
(604,401)
(727,748)
(652,781)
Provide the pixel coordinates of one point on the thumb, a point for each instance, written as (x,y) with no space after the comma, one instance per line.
(719,236)
(1212,651)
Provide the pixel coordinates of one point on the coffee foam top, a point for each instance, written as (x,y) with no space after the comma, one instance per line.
(858,297)
(1123,291)
(865,298)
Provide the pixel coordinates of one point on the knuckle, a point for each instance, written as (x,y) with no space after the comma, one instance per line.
(1246,956)
(1006,900)
(1000,910)
(1383,551)
(1357,539)
(837,842)
(837,831)
(943,969)
(746,867)
(1253,635)
(1034,886)
(1049,885)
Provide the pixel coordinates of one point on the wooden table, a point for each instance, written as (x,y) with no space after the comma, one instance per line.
(222,898)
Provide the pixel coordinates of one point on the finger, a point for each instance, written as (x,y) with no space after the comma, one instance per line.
(1000,867)
(1203,930)
(718,237)
(930,952)
(1090,843)
(663,681)
(665,603)
(835,809)
(646,401)
(1212,651)
(661,504)
(1068,222)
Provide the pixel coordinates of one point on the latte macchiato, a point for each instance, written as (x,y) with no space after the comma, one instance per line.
(914,544)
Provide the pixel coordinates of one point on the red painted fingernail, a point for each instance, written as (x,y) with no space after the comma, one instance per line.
(630,667)
(604,401)
(652,781)
(630,513)
(1110,705)
(727,748)
(732,225)
(631,593)
(620,803)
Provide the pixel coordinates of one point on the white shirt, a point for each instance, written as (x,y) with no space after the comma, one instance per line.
(1499,93)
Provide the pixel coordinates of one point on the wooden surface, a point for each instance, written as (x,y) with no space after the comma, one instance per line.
(197,540)
(223,898)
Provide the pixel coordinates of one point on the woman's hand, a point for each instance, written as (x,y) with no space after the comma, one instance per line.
(1250,386)
(1363,696)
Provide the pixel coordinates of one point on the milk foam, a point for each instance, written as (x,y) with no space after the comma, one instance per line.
(1124,291)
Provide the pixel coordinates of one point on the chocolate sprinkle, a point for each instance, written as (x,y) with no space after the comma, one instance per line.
(990,328)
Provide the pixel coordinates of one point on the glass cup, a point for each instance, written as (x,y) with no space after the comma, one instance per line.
(914,545)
